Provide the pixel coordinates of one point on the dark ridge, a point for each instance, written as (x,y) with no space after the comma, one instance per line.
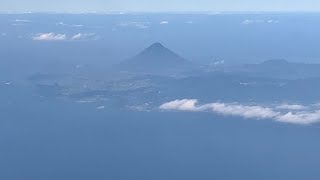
(276,62)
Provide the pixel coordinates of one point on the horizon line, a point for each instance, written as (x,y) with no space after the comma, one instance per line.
(128,12)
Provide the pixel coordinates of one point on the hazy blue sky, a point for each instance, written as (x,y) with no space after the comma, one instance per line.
(162,5)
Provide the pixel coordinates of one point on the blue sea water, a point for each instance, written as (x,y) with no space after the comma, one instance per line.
(54,140)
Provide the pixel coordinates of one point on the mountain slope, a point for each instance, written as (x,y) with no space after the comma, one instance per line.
(155,59)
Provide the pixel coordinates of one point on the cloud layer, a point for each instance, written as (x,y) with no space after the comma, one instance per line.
(62,37)
(49,37)
(294,114)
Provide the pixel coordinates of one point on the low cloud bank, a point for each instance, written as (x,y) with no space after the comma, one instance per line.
(294,114)
(50,37)
(62,37)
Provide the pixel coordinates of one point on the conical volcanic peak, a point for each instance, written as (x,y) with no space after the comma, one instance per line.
(156,51)
(156,46)
(155,58)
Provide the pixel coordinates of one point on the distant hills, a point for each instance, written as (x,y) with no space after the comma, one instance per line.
(280,68)
(155,59)
(159,60)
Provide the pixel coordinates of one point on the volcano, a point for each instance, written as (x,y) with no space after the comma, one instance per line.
(154,59)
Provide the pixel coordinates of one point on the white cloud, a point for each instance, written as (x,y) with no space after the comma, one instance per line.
(243,111)
(218,62)
(291,107)
(82,36)
(288,114)
(50,37)
(252,21)
(247,83)
(21,21)
(273,21)
(189,22)
(221,108)
(69,25)
(63,37)
(143,108)
(259,21)
(300,117)
(164,22)
(17,24)
(183,105)
(101,107)
(77,36)
(213,13)
(138,25)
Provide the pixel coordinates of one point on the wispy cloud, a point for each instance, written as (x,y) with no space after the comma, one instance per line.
(259,21)
(83,36)
(138,25)
(216,63)
(50,37)
(291,107)
(69,25)
(164,22)
(100,107)
(294,114)
(17,24)
(21,21)
(63,37)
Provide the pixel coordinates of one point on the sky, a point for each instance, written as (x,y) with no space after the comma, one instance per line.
(156,5)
